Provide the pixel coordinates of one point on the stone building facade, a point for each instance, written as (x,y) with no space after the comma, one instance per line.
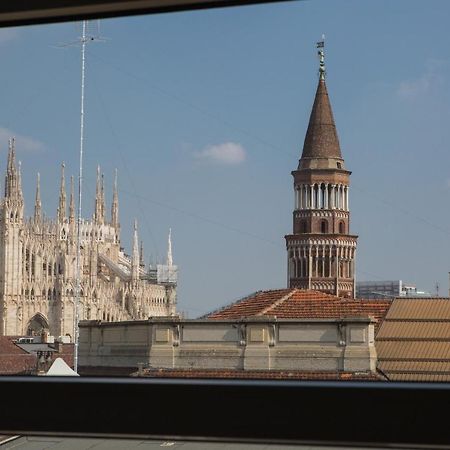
(321,250)
(38,265)
(253,343)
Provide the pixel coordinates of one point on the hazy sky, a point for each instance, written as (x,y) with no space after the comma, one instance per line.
(204,114)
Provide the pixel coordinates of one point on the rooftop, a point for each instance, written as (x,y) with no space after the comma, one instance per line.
(413,343)
(301,304)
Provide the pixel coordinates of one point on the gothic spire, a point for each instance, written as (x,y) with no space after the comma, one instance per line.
(102,199)
(37,202)
(99,208)
(115,205)
(141,254)
(321,140)
(12,179)
(169,249)
(62,197)
(72,202)
(135,256)
(19,179)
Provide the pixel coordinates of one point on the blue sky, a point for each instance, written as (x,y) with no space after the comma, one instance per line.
(204,114)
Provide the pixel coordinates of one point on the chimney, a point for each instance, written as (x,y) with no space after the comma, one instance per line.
(44,336)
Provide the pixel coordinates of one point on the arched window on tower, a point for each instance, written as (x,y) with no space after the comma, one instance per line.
(324,226)
(303,226)
(341,228)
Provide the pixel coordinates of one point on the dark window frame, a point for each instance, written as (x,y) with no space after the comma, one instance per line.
(376,413)
(339,413)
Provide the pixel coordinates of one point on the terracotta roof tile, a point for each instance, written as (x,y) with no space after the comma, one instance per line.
(301,304)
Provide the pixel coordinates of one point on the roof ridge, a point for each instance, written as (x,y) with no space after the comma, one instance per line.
(229,305)
(278,302)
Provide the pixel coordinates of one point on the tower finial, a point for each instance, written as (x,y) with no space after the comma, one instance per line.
(321,52)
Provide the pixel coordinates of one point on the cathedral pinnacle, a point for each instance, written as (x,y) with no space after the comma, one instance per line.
(72,202)
(62,197)
(37,203)
(169,249)
(99,214)
(135,256)
(19,178)
(115,204)
(12,179)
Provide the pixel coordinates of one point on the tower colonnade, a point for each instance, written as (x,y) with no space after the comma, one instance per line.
(322,196)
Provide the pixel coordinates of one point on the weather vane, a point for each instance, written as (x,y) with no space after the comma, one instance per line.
(320,45)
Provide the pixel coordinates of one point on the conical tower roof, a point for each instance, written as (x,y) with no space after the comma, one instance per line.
(321,147)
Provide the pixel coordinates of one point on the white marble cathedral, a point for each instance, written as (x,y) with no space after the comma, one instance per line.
(38,265)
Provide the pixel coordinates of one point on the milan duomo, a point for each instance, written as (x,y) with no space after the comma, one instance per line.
(38,265)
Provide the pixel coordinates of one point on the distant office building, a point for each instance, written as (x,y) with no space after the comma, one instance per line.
(388,289)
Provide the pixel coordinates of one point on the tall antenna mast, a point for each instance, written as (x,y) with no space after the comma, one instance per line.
(83,41)
(80,189)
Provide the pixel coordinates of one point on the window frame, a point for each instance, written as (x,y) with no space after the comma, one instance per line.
(315,412)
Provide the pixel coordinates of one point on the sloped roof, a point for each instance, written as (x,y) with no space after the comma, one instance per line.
(301,304)
(413,343)
(321,140)
(13,359)
(60,368)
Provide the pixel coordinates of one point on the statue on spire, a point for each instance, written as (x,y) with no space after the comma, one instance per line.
(321,52)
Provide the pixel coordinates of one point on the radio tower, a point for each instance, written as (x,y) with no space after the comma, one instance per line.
(83,40)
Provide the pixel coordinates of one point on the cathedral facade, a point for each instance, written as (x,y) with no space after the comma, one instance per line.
(38,265)
(321,249)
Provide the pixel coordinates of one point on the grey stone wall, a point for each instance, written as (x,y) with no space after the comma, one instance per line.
(251,344)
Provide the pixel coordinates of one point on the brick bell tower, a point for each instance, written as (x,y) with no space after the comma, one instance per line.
(321,250)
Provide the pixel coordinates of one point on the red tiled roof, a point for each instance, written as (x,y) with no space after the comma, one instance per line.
(14,360)
(259,374)
(301,304)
